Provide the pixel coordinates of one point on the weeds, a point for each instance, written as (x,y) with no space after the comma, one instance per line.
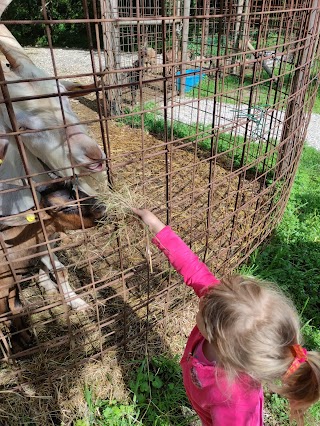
(108,413)
(158,398)
(157,386)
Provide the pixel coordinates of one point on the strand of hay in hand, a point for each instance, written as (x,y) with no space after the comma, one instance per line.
(119,203)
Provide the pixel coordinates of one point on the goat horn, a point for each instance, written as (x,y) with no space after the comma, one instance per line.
(3,5)
(12,50)
(9,46)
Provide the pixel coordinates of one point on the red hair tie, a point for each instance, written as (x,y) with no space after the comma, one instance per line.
(300,356)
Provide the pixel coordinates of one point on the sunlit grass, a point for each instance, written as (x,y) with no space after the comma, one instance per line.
(292,259)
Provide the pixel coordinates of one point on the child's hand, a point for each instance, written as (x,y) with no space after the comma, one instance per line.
(150,219)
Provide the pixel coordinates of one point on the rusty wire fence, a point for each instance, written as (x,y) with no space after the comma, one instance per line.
(201,107)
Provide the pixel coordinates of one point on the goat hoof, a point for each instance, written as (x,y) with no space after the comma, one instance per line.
(52,292)
(22,342)
(79,305)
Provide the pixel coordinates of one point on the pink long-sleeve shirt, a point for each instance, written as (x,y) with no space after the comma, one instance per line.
(216,401)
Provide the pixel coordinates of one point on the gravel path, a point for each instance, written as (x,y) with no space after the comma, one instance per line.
(313,132)
(227,114)
(77,61)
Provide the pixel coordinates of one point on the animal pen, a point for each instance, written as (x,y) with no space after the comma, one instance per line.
(201,111)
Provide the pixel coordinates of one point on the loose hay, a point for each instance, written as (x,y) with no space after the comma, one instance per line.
(120,202)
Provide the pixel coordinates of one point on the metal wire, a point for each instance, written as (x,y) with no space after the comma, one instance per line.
(208,124)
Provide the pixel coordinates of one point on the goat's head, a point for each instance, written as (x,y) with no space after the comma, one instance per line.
(50,129)
(70,208)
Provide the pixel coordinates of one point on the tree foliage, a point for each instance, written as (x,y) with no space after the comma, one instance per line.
(62,34)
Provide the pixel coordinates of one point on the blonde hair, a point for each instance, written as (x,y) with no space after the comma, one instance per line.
(251,325)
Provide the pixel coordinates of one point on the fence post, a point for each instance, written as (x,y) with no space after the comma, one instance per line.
(111,41)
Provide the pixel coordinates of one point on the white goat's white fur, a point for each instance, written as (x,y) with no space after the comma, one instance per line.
(52,140)
(49,286)
(51,133)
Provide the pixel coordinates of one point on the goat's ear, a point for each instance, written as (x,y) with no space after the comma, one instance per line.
(14,197)
(75,89)
(18,199)
(25,218)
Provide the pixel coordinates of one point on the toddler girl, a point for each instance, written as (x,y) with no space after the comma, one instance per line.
(247,333)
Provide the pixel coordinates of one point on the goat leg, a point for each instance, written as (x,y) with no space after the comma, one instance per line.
(49,286)
(69,295)
(21,335)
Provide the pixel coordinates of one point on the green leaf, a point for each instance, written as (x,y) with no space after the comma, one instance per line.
(157,382)
(144,387)
(81,422)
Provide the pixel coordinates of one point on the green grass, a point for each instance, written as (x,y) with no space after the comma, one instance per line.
(292,259)
(316,106)
(228,90)
(158,398)
(229,86)
(266,93)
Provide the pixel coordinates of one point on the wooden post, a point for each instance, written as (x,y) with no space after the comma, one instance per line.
(111,40)
(206,23)
(295,118)
(237,27)
(241,34)
(184,45)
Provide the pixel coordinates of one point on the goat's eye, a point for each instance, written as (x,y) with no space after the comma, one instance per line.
(23,128)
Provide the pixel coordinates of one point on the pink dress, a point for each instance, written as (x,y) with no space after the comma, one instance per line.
(216,401)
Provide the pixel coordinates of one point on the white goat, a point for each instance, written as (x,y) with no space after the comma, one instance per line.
(51,132)
(52,141)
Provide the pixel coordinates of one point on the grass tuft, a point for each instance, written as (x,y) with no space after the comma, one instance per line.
(120,201)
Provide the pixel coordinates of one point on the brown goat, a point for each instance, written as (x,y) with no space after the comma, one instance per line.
(149,57)
(22,245)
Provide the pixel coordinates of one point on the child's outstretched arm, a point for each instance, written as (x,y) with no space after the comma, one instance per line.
(195,273)
(150,219)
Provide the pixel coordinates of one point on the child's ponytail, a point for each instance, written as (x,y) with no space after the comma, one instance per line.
(301,383)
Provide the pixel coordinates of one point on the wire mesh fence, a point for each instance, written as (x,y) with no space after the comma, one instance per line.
(201,108)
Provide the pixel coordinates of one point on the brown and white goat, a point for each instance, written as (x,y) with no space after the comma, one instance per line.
(22,245)
(50,130)
(149,57)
